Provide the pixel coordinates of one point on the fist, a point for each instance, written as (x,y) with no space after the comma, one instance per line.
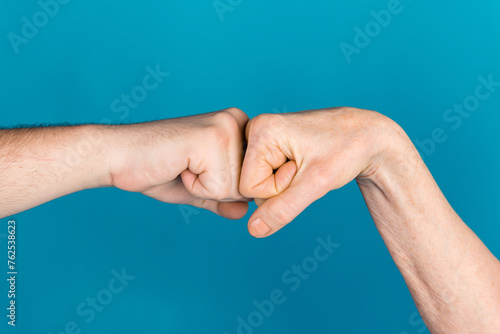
(192,160)
(294,159)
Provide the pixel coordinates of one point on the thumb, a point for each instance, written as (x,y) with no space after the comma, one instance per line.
(276,212)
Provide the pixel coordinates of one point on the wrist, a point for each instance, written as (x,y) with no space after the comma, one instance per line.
(143,155)
(99,143)
(395,159)
(396,184)
(85,155)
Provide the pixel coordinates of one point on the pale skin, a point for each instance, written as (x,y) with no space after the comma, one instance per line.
(291,161)
(192,160)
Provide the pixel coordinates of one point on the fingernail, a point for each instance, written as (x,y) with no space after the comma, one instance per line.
(259,228)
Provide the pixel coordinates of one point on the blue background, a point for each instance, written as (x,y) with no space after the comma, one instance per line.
(197,275)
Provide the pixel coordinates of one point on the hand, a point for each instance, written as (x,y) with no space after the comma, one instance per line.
(296,158)
(192,160)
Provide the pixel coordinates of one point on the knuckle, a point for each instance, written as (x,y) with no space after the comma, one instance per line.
(237,113)
(265,124)
(234,110)
(227,123)
(225,118)
(264,119)
(280,217)
(322,180)
(217,134)
(214,191)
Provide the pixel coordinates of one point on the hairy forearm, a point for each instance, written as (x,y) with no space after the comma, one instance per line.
(41,164)
(190,160)
(452,276)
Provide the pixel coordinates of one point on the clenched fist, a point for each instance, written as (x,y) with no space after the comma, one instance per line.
(192,160)
(294,159)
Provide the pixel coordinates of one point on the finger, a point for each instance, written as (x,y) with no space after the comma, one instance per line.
(247,128)
(276,212)
(171,192)
(237,149)
(210,185)
(218,177)
(175,192)
(258,176)
(260,201)
(215,185)
(229,210)
(273,185)
(241,117)
(266,169)
(258,169)
(233,210)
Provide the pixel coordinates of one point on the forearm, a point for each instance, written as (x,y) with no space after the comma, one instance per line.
(191,160)
(41,164)
(452,276)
